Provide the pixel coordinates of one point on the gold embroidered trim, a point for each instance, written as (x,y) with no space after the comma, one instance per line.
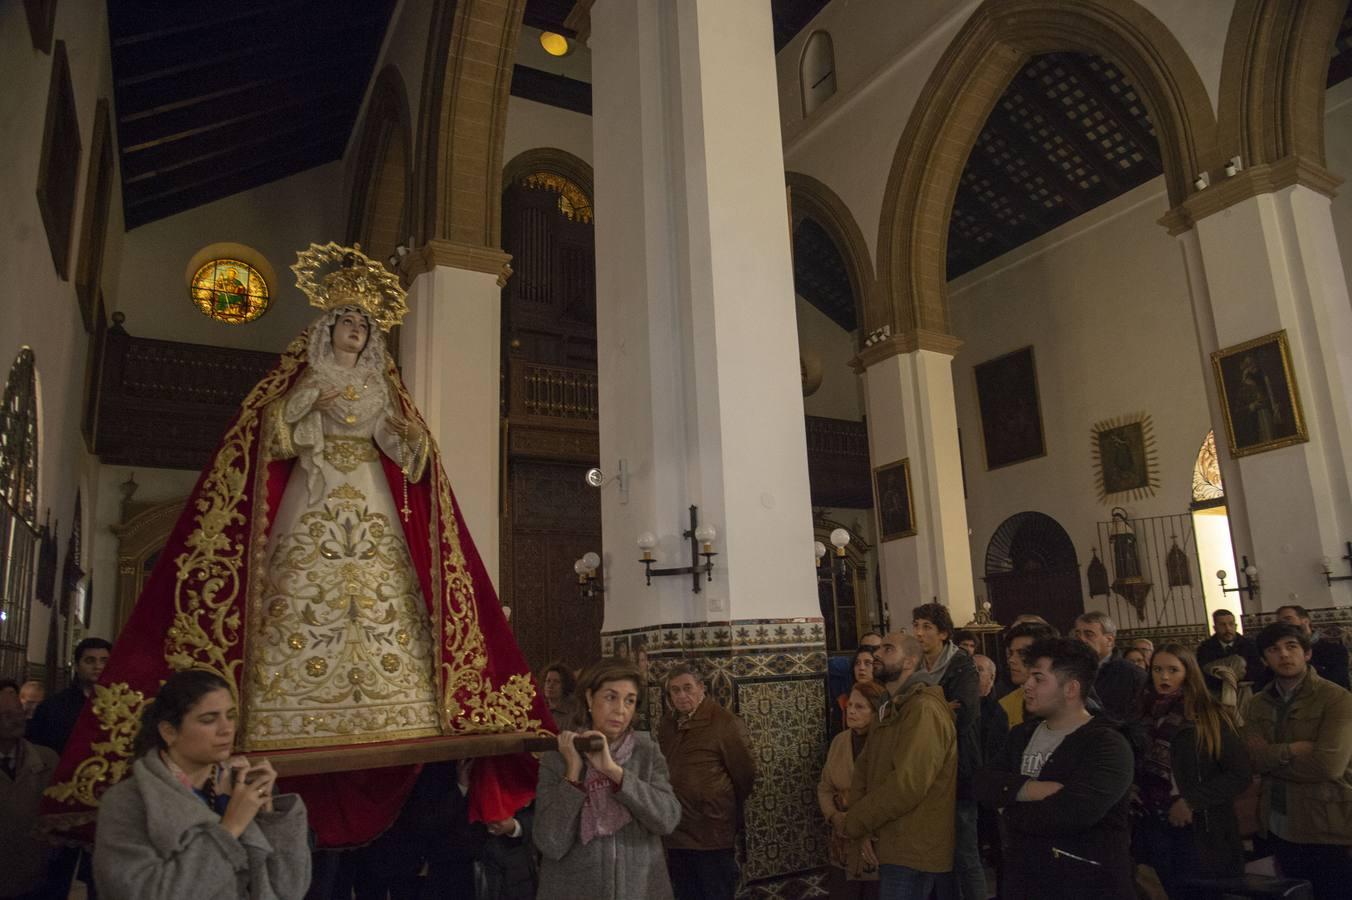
(118,709)
(346,454)
(277,433)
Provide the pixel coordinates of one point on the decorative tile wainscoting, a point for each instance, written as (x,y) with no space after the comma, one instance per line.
(771,673)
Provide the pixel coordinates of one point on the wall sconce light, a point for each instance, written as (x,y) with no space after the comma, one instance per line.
(598,479)
(1328,567)
(701,538)
(840,539)
(1249,583)
(587,585)
(1233,166)
(1203,181)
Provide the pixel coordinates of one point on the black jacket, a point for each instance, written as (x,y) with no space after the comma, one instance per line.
(994,729)
(1211,650)
(1075,843)
(960,683)
(1118,687)
(1210,786)
(54,719)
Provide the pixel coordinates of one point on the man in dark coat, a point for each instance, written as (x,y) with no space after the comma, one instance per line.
(1118,685)
(945,664)
(54,719)
(1062,786)
(1328,656)
(1227,641)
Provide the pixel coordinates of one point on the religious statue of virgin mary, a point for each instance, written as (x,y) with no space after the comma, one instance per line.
(322,568)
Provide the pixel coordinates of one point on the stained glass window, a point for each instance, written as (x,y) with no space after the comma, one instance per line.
(1206,474)
(19,439)
(230,291)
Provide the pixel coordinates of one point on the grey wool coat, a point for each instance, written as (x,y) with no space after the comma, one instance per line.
(157,841)
(627,864)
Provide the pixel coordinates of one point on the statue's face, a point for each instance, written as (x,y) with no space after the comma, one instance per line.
(350,332)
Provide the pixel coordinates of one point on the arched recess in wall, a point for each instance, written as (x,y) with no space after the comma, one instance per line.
(462,120)
(970,77)
(817,71)
(811,200)
(1273,81)
(382,189)
(1031,567)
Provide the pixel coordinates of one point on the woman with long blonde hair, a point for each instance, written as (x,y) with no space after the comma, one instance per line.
(1193,767)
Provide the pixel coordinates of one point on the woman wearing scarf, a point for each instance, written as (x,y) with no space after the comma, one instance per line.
(850,877)
(600,816)
(193,820)
(1193,767)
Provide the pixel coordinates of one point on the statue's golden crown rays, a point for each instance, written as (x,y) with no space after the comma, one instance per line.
(333,276)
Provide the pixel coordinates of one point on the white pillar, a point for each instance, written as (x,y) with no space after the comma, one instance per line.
(1265,264)
(451,354)
(912,415)
(698,351)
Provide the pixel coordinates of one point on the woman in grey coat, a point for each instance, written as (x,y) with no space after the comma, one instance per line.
(193,820)
(600,816)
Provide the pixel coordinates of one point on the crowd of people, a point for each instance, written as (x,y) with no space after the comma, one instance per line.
(1098,771)
(1065,773)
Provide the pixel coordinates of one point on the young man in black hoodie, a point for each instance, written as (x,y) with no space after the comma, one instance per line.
(952,669)
(1062,786)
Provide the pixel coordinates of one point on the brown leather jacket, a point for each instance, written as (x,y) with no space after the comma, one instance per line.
(712,773)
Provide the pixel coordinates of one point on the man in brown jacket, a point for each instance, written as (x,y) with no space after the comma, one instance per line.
(712,772)
(1299,732)
(903,796)
(25,771)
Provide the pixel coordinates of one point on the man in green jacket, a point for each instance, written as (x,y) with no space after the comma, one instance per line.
(903,795)
(1299,733)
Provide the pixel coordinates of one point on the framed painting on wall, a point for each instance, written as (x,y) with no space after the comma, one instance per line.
(59,164)
(1258,395)
(94,227)
(1011,415)
(896,517)
(1124,454)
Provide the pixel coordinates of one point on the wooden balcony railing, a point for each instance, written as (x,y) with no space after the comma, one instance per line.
(838,463)
(552,392)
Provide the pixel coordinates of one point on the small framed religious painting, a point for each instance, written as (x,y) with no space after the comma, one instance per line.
(1011,415)
(59,163)
(1259,396)
(896,517)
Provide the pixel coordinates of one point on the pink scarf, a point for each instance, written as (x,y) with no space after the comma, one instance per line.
(602,814)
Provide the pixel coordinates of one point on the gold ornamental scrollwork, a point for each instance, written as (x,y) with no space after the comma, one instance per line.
(118,709)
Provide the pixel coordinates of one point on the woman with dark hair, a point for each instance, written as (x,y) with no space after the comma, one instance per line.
(558,684)
(193,820)
(600,815)
(863,667)
(1193,767)
(850,876)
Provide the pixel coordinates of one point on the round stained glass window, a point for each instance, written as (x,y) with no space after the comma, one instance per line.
(230,291)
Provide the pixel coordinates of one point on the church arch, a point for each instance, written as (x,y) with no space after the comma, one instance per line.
(810,199)
(552,160)
(1273,81)
(1031,567)
(912,295)
(462,120)
(817,71)
(382,189)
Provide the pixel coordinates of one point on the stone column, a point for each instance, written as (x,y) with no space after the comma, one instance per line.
(912,416)
(1259,264)
(450,350)
(700,386)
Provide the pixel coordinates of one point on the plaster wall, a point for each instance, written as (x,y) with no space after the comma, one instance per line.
(531,125)
(276,219)
(37,307)
(1104,303)
(841,393)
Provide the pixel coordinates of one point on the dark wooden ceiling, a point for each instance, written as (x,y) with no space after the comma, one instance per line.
(819,274)
(217,98)
(789,16)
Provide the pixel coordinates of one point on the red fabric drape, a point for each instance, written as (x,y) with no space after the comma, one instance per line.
(346,808)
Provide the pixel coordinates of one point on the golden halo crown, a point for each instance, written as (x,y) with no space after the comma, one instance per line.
(333,276)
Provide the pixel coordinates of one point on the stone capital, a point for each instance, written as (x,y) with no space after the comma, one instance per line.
(1251,182)
(908,342)
(455,255)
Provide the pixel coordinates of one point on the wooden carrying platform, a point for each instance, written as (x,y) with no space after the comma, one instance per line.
(319,760)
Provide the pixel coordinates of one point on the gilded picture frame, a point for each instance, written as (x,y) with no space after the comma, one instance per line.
(1259,396)
(896,508)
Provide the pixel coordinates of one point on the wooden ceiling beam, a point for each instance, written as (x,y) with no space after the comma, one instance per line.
(979,164)
(1115,107)
(1069,132)
(175,21)
(1016,135)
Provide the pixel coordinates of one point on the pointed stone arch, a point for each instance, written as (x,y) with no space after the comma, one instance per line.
(554,160)
(1001,35)
(811,199)
(1273,78)
(379,212)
